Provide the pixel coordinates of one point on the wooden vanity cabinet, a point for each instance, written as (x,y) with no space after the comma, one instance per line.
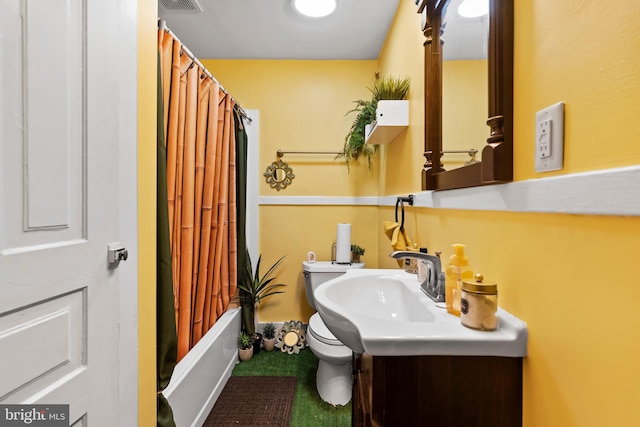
(439,391)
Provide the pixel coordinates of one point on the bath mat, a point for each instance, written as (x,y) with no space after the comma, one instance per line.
(254,401)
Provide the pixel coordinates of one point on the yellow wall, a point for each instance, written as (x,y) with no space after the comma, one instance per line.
(570,277)
(562,274)
(403,55)
(147,51)
(464,109)
(303,106)
(296,230)
(557,59)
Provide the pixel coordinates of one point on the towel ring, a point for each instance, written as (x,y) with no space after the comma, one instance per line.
(400,201)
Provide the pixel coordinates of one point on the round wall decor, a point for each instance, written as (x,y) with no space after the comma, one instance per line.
(291,338)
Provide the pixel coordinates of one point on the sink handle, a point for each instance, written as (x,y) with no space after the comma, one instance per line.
(433,286)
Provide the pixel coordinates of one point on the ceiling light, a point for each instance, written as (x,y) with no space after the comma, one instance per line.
(473,8)
(315,8)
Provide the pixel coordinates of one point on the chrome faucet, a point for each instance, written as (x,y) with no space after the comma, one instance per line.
(433,285)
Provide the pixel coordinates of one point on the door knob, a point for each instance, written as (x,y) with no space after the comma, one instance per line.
(116,253)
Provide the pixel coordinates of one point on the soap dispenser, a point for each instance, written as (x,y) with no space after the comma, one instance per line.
(457,271)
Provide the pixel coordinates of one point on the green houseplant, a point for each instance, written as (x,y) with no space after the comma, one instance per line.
(245,346)
(269,332)
(383,88)
(254,287)
(356,253)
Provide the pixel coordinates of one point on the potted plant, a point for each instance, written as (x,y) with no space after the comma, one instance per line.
(383,88)
(269,332)
(356,253)
(245,346)
(253,289)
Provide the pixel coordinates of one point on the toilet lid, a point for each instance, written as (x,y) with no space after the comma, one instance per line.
(320,331)
(329,267)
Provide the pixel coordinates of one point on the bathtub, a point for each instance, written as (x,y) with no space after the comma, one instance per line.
(200,376)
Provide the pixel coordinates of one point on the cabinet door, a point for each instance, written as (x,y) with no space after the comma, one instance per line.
(362,415)
(443,391)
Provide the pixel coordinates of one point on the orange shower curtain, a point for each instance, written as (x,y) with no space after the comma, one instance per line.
(201,191)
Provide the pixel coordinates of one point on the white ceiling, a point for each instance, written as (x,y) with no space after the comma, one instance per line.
(464,38)
(270,29)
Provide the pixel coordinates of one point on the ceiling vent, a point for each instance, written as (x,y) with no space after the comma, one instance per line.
(181,6)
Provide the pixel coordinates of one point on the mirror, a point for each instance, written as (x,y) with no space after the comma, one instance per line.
(279,175)
(496,160)
(291,338)
(465,41)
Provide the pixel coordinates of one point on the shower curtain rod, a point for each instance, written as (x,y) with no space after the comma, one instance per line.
(163,26)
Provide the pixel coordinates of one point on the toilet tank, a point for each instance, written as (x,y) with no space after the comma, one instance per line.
(318,272)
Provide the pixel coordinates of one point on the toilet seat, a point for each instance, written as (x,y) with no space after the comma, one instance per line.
(333,376)
(319,330)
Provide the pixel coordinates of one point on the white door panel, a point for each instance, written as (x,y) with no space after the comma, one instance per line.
(60,115)
(45,76)
(45,341)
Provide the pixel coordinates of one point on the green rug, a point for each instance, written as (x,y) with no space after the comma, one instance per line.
(308,409)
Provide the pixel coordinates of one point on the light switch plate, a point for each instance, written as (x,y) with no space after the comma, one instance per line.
(550,138)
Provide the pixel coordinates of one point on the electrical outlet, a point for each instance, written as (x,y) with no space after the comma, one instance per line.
(550,138)
(543,139)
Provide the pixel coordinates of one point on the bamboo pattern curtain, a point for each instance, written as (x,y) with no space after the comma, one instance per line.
(201,191)
(166,337)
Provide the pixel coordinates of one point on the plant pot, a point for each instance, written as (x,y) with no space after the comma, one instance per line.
(269,344)
(257,341)
(245,354)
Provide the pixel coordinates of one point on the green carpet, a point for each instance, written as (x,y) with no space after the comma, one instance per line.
(308,409)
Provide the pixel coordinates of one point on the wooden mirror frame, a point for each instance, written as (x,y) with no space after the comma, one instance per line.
(497,156)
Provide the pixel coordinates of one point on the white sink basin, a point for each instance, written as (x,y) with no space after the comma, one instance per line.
(384,313)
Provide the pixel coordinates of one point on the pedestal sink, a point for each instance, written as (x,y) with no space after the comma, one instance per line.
(383,312)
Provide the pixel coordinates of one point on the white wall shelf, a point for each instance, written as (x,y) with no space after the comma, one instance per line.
(392,117)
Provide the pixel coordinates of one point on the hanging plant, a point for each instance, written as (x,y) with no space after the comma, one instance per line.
(383,88)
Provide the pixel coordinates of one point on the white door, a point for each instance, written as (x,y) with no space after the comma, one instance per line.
(61,204)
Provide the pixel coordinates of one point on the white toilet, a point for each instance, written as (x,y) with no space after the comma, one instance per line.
(333,378)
